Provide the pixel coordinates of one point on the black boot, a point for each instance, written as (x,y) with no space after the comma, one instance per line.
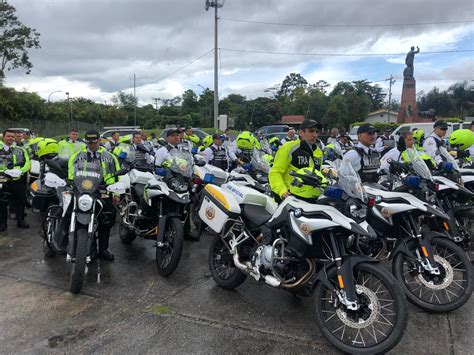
(22,224)
(106,255)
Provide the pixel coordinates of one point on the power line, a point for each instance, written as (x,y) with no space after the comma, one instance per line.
(184,66)
(341,54)
(348,26)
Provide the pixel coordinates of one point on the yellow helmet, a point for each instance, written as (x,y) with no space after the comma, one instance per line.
(419,135)
(207,141)
(462,139)
(47,147)
(246,140)
(300,189)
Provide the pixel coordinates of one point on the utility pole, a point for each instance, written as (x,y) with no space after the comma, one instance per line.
(70,110)
(216,4)
(391,82)
(156,103)
(135,101)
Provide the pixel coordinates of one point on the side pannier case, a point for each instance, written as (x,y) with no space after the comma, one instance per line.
(217,207)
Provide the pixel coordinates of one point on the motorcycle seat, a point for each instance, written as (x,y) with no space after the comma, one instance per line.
(257,215)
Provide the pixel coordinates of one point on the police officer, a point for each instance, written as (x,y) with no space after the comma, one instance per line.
(12,157)
(184,144)
(216,154)
(190,136)
(147,143)
(364,159)
(70,145)
(435,141)
(385,142)
(172,142)
(93,152)
(295,155)
(290,136)
(142,154)
(114,142)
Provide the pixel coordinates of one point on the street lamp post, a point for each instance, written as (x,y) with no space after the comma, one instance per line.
(70,110)
(51,93)
(216,4)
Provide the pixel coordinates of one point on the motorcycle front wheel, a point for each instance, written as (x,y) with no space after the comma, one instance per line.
(49,226)
(222,267)
(168,255)
(379,323)
(436,293)
(79,266)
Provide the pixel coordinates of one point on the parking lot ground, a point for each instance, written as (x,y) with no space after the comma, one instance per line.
(133,309)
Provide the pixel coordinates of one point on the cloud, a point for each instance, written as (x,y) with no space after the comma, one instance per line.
(93,47)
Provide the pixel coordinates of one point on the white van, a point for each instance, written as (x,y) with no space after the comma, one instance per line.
(426,127)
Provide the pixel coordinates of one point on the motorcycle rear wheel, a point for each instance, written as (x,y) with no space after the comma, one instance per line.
(79,266)
(381,320)
(438,294)
(168,256)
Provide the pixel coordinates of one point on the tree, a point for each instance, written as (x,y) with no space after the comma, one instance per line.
(189,103)
(462,97)
(15,41)
(337,113)
(289,85)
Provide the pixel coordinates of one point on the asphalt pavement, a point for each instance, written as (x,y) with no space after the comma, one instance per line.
(134,310)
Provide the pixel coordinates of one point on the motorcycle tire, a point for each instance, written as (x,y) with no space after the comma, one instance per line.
(221,265)
(168,256)
(422,289)
(79,266)
(126,235)
(377,326)
(48,250)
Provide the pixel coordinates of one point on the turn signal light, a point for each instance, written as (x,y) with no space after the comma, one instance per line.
(341,282)
(371,202)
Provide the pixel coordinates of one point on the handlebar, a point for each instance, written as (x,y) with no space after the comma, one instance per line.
(308,179)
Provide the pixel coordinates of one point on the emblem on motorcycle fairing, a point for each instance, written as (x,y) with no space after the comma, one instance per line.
(305,229)
(210,213)
(87,184)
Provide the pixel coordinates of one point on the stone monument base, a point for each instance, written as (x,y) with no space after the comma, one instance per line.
(408,112)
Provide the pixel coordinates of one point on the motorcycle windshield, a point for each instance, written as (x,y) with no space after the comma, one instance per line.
(265,146)
(418,164)
(181,162)
(448,158)
(259,163)
(87,176)
(350,181)
(338,150)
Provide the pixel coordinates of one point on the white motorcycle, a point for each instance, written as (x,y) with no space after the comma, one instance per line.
(301,247)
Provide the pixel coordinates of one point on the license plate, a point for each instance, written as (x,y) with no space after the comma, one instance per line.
(2,180)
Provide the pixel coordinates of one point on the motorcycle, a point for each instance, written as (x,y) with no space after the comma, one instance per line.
(435,274)
(157,208)
(301,247)
(452,198)
(88,197)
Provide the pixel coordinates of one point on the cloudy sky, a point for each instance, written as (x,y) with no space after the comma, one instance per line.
(92,48)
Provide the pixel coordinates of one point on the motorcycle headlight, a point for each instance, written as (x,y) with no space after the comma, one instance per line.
(358,212)
(178,187)
(85,203)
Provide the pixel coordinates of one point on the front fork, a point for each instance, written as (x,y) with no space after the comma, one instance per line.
(346,290)
(424,254)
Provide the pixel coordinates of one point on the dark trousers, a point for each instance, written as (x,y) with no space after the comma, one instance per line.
(106,222)
(17,200)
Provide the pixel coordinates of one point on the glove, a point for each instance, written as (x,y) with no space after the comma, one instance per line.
(122,155)
(166,164)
